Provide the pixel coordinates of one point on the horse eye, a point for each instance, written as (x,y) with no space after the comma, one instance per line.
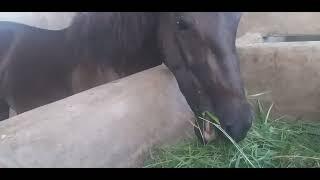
(182,25)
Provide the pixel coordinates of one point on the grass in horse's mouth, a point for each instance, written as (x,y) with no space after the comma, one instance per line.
(270,143)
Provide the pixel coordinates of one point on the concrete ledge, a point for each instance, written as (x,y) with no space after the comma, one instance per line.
(290,70)
(112,125)
(279,23)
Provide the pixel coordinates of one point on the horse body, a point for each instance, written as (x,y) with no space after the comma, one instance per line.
(41,66)
(35,66)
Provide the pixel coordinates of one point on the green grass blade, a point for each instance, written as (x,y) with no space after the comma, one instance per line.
(211,116)
(232,141)
(268,113)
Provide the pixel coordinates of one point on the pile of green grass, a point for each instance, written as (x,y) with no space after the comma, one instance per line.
(270,143)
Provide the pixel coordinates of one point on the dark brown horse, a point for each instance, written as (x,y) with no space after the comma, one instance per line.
(41,66)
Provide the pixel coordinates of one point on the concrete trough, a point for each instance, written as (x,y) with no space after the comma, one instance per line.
(289,70)
(113,125)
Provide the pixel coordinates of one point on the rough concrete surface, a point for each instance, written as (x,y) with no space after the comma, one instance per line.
(290,71)
(112,125)
(279,23)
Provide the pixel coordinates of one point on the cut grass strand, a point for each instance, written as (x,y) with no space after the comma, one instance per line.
(232,141)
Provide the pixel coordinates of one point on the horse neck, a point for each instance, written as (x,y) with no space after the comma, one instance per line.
(124,41)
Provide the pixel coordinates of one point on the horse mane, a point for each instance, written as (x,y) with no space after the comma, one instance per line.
(102,35)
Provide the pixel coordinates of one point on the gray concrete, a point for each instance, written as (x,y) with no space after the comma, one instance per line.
(279,23)
(289,70)
(112,125)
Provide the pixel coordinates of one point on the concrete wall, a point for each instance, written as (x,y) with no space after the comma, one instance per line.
(289,71)
(280,22)
(107,126)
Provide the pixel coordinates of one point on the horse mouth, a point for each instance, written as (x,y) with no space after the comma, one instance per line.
(209,132)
